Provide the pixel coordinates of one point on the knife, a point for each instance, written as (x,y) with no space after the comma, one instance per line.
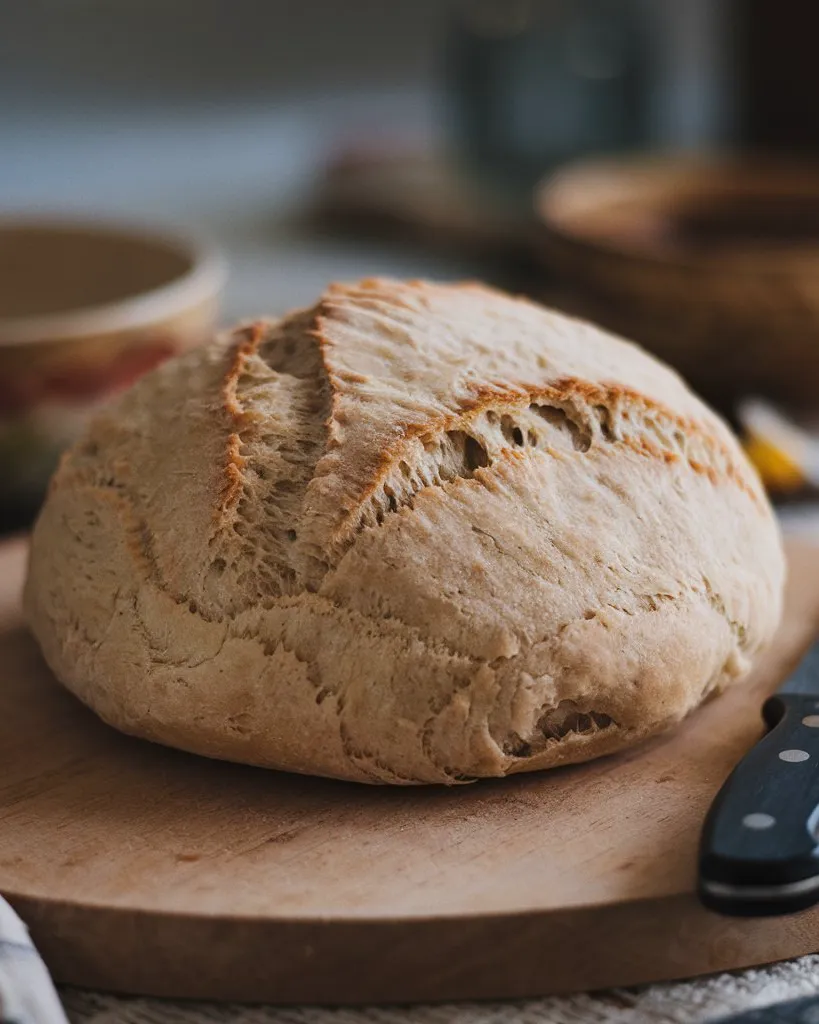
(759,853)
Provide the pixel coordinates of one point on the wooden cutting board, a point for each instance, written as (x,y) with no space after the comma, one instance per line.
(141,869)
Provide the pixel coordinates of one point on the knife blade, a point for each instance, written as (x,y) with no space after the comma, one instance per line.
(759,853)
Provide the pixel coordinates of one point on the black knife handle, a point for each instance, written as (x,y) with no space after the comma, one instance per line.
(795,1011)
(759,848)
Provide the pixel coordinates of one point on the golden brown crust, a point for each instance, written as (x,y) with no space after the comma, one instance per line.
(489,397)
(233,479)
(246,345)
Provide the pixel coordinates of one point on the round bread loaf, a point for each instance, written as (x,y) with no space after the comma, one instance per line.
(417,533)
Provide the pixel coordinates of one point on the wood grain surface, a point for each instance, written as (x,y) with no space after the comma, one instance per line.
(141,869)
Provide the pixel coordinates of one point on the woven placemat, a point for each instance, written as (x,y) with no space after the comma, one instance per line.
(691,1002)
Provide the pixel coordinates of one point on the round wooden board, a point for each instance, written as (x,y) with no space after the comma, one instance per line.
(140,869)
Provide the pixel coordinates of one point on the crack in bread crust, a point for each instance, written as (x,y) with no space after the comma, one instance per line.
(568,416)
(493,422)
(276,394)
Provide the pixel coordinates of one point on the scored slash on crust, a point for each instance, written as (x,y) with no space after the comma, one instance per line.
(492,422)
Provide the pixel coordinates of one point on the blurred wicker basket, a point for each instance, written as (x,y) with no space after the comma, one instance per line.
(711,264)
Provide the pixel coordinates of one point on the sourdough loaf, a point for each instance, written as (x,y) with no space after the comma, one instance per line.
(417,533)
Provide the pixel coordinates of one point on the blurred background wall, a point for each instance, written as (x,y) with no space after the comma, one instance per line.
(223,113)
(214,112)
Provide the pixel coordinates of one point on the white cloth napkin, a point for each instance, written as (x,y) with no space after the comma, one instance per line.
(27,995)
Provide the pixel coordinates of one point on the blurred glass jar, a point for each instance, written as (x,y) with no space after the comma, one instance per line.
(533,83)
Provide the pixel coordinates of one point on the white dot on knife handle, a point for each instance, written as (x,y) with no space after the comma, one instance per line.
(758,821)
(793,755)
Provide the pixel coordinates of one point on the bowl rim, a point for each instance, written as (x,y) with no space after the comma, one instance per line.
(702,169)
(204,279)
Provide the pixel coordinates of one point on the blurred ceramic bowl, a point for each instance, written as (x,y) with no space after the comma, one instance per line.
(85,309)
(711,264)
